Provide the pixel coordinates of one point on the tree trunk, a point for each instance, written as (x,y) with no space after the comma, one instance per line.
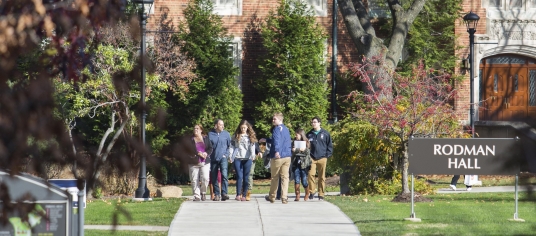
(101,157)
(357,21)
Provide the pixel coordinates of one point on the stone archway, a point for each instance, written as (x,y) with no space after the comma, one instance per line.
(507,88)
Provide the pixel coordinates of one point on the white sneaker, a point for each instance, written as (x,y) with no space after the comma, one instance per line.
(453,187)
(469,189)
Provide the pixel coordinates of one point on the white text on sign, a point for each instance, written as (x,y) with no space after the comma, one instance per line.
(464,150)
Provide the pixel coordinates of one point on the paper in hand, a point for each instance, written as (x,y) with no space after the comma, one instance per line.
(299,144)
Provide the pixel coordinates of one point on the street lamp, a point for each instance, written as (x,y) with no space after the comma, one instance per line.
(471,21)
(142,191)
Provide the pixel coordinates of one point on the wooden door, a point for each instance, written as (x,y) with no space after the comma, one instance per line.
(494,94)
(506,94)
(516,94)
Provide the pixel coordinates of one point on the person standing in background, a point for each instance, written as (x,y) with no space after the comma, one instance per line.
(221,143)
(321,150)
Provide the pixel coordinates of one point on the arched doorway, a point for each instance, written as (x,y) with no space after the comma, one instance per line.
(508,88)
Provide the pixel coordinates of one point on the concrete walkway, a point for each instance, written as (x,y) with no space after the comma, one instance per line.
(259,217)
(494,189)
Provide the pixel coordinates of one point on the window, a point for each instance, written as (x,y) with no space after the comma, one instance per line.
(235,49)
(532,88)
(378,9)
(495,3)
(319,7)
(509,4)
(227,7)
(516,3)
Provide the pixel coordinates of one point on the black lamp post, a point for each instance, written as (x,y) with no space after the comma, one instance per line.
(471,21)
(142,191)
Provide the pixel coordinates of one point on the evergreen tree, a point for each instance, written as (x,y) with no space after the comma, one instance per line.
(294,72)
(216,93)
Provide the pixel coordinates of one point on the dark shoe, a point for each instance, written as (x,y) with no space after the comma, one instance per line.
(197,199)
(311,196)
(225,197)
(267,197)
(284,201)
(216,198)
(203,197)
(320,198)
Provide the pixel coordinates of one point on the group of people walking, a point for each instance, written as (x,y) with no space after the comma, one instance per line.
(218,148)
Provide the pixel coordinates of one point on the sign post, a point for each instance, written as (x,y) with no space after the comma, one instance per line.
(479,156)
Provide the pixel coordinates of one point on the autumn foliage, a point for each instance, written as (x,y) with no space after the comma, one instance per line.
(417,105)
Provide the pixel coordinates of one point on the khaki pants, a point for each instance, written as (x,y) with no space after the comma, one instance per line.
(279,168)
(195,171)
(319,164)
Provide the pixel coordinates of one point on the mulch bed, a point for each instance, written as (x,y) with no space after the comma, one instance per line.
(406,197)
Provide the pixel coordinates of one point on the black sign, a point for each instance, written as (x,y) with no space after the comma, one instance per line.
(463,156)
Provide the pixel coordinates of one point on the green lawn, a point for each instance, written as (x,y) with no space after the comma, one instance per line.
(448,214)
(159,212)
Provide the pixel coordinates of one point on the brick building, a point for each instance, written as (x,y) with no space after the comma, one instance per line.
(242,18)
(504,61)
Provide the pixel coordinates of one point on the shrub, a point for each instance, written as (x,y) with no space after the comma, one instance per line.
(392,187)
(360,153)
(97,192)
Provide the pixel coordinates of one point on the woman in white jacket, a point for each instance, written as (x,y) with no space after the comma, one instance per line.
(243,154)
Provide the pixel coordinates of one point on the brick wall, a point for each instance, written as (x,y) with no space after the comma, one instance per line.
(245,26)
(462,103)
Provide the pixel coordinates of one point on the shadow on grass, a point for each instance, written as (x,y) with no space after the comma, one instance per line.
(376,221)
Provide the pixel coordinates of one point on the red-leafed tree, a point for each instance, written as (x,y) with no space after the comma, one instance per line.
(416,105)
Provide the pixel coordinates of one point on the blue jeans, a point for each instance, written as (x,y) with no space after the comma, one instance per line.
(300,174)
(214,166)
(242,168)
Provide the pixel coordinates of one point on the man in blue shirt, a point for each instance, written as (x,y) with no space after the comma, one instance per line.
(221,142)
(280,153)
